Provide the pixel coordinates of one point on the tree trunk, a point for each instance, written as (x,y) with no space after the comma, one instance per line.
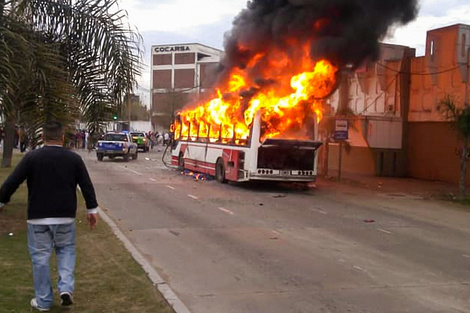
(463,170)
(8,141)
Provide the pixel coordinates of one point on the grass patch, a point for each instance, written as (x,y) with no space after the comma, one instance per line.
(465,202)
(107,278)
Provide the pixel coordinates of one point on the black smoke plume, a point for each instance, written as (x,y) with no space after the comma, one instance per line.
(345,32)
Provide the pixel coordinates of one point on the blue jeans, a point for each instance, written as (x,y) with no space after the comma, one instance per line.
(41,240)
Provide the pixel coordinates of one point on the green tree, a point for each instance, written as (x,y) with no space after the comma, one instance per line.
(63,59)
(460,122)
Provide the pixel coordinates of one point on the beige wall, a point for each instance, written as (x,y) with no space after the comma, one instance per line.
(432,144)
(356,161)
(432,152)
(437,74)
(428,143)
(431,155)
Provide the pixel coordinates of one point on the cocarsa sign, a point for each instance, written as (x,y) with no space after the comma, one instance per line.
(163,49)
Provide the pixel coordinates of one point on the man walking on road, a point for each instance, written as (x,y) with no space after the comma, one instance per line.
(52,174)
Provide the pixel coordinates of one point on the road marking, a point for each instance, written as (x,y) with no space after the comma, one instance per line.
(466,256)
(152,179)
(135,172)
(172,188)
(320,211)
(193,197)
(384,231)
(225,210)
(359,268)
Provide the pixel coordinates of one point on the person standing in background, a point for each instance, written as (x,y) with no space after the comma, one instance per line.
(23,140)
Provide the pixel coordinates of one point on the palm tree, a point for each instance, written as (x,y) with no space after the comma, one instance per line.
(460,118)
(16,81)
(63,59)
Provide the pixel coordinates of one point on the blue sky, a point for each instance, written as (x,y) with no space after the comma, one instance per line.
(206,21)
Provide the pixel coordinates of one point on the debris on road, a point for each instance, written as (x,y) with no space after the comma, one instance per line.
(196,176)
(369,220)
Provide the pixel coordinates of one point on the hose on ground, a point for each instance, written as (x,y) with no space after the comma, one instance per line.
(163,157)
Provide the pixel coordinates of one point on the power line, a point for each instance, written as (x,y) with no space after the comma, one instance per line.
(423,74)
(380,95)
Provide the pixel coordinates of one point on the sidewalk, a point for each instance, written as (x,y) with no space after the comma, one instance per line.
(395,185)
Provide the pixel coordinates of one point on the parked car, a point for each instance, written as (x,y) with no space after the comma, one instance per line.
(141,140)
(116,144)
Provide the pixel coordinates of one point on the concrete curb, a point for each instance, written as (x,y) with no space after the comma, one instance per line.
(162,286)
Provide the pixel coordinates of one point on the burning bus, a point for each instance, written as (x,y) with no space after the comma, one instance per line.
(282,61)
(254,157)
(271,134)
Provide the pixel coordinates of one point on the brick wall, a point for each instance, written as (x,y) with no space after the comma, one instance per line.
(162,59)
(184,78)
(162,79)
(185,58)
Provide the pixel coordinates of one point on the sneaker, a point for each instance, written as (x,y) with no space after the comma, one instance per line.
(67,298)
(34,305)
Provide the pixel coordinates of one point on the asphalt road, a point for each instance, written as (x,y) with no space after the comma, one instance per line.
(276,248)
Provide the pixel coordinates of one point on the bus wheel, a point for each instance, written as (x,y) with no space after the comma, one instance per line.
(220,172)
(180,162)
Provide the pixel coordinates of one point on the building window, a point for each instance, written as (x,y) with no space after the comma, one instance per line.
(162,79)
(162,59)
(464,45)
(184,78)
(185,58)
(431,49)
(206,69)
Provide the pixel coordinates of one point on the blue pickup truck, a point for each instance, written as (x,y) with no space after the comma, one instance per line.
(116,144)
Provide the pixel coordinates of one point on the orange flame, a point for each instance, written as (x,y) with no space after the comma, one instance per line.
(293,89)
